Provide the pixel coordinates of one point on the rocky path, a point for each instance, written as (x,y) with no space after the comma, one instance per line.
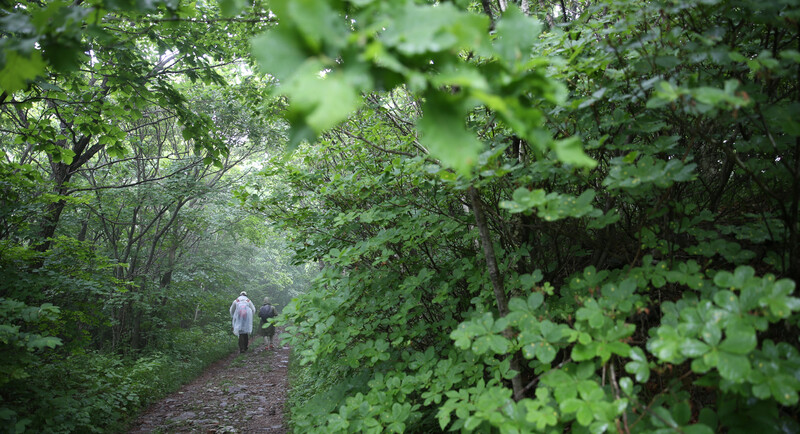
(243,393)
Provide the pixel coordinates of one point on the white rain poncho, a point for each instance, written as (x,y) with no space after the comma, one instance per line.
(242,312)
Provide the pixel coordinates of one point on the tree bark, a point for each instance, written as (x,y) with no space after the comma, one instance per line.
(497,282)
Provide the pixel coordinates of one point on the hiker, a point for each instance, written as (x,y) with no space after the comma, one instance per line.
(242,312)
(266,312)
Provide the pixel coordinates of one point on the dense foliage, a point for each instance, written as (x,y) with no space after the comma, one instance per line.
(484,271)
(125,127)
(526,216)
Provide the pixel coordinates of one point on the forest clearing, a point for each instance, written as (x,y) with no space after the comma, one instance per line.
(474,216)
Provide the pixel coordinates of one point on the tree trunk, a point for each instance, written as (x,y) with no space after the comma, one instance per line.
(497,282)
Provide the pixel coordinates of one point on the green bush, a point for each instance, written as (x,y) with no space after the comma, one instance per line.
(502,277)
(100,392)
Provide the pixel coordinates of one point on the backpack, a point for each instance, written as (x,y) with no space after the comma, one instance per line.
(266,312)
(241,309)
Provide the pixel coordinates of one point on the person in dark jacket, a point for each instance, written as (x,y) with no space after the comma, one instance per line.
(266,312)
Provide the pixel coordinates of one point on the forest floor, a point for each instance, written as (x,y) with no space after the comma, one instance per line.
(243,393)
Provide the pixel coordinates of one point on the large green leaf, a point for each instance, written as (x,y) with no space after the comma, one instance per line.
(733,367)
(516,35)
(19,69)
(279,52)
(442,131)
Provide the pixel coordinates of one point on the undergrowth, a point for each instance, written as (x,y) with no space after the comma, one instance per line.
(103,392)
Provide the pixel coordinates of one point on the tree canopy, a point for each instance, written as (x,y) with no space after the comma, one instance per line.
(522,216)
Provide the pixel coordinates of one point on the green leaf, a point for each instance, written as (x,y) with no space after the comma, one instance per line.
(535,300)
(498,344)
(733,367)
(516,34)
(44,341)
(626,385)
(19,69)
(682,412)
(783,391)
(570,151)
(517,304)
(545,352)
(694,348)
(472,422)
(697,429)
(278,52)
(570,405)
(727,300)
(318,23)
(231,8)
(322,102)
(524,199)
(638,366)
(421,29)
(585,415)
(442,131)
(582,352)
(739,339)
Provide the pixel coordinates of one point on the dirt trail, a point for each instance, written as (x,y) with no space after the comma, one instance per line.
(243,393)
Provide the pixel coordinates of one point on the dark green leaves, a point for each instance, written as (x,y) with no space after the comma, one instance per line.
(19,69)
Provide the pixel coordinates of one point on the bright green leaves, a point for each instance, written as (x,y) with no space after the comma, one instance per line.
(515,37)
(740,278)
(733,367)
(677,419)
(667,345)
(442,130)
(323,100)
(638,366)
(592,408)
(582,398)
(774,297)
(300,52)
(524,199)
(647,171)
(772,372)
(324,64)
(421,29)
(704,98)
(529,307)
(482,335)
(279,52)
(474,406)
(592,313)
(777,298)
(538,412)
(722,334)
(321,28)
(538,340)
(552,206)
(570,151)
(59,154)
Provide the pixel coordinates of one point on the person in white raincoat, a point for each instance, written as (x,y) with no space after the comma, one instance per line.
(242,312)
